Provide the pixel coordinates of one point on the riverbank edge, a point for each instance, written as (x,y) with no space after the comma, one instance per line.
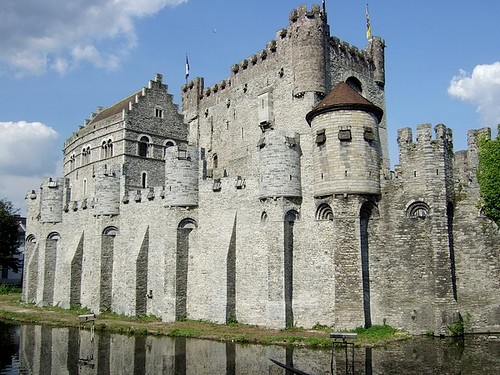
(14,311)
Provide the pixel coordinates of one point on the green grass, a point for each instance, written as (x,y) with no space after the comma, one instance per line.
(9,289)
(11,309)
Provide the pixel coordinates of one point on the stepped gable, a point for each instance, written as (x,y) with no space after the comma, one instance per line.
(342,97)
(114,109)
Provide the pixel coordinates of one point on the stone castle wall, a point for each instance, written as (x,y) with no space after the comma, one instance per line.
(240,212)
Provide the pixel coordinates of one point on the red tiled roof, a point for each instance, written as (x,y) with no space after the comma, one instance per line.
(341,97)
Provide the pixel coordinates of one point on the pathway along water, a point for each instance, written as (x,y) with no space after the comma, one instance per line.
(31,349)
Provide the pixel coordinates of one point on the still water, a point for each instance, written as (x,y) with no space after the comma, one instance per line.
(30,349)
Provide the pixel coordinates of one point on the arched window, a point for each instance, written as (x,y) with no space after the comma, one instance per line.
(54,236)
(187,224)
(143,146)
(355,84)
(168,143)
(417,209)
(107,149)
(324,212)
(85,155)
(110,231)
(144,179)
(31,238)
(110,148)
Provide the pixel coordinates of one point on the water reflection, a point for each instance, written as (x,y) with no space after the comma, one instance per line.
(45,350)
(9,345)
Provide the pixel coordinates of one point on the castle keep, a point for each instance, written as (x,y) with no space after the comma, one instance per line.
(269,201)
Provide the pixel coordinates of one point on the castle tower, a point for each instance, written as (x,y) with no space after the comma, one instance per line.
(375,49)
(308,33)
(279,165)
(181,176)
(347,152)
(51,196)
(107,191)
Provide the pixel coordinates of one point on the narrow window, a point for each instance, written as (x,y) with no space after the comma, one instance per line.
(144,179)
(215,161)
(143,146)
(159,112)
(110,148)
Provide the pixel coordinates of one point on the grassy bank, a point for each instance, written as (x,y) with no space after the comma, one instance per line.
(12,310)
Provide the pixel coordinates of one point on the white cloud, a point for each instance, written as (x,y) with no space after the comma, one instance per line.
(481,88)
(28,152)
(54,34)
(27,149)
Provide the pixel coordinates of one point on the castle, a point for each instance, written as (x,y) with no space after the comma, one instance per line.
(268,201)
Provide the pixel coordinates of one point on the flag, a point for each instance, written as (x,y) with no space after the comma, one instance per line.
(368,27)
(187,67)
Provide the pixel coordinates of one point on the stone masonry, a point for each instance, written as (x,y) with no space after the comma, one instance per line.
(269,201)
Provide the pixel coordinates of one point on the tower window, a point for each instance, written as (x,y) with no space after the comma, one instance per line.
(345,135)
(159,112)
(144,146)
(107,149)
(320,137)
(355,84)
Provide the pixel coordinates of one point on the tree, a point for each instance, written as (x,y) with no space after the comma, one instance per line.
(488,176)
(9,237)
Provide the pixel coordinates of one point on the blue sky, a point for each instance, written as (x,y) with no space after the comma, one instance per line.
(60,59)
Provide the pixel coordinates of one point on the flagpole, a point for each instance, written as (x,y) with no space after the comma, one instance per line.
(368,26)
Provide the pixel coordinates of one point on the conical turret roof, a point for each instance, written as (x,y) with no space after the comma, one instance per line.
(344,97)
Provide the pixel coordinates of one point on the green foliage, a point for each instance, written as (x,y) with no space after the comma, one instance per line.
(461,326)
(322,327)
(9,238)
(184,332)
(488,176)
(9,289)
(375,332)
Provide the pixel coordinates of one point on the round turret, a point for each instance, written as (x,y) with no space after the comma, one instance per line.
(308,33)
(51,201)
(279,165)
(347,151)
(376,47)
(107,192)
(181,176)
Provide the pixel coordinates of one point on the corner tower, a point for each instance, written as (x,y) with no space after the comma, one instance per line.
(347,151)
(309,33)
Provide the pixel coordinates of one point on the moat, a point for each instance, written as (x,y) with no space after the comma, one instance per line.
(30,349)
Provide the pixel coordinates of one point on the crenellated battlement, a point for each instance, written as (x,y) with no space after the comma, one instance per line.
(350,51)
(443,135)
(275,180)
(302,13)
(196,87)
